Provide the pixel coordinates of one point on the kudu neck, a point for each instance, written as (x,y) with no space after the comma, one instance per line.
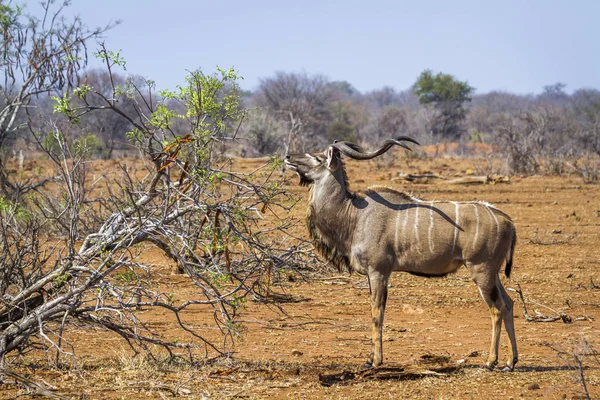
(330,217)
(331,190)
(331,204)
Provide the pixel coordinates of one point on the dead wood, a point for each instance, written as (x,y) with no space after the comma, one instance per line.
(586,303)
(399,373)
(479,180)
(31,385)
(335,280)
(567,240)
(539,317)
(418,178)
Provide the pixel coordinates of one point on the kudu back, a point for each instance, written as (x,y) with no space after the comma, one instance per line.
(381,230)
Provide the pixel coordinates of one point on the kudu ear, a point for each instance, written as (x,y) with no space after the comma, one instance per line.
(333,158)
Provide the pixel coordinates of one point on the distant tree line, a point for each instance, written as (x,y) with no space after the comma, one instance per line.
(305,112)
(293,111)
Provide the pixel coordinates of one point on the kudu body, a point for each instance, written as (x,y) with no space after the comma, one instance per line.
(382,230)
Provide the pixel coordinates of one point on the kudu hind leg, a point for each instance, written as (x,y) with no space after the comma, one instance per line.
(493,298)
(378,287)
(509,325)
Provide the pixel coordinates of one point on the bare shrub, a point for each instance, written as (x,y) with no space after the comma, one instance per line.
(38,56)
(385,160)
(190,203)
(577,354)
(556,165)
(266,134)
(299,101)
(589,169)
(488,165)
(519,143)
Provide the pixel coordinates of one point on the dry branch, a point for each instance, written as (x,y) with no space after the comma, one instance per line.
(539,317)
(418,178)
(31,385)
(479,180)
(387,373)
(554,241)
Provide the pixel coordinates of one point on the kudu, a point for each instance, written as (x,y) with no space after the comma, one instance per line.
(382,230)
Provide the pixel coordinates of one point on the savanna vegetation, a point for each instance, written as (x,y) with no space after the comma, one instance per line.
(100,168)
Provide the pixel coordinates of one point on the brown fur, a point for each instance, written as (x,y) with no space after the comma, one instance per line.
(340,261)
(380,230)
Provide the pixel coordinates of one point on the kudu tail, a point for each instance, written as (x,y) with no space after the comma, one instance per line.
(510,253)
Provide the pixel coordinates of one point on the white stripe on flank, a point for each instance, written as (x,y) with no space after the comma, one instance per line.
(397,230)
(431,228)
(417,227)
(456,225)
(476,225)
(405,224)
(497,227)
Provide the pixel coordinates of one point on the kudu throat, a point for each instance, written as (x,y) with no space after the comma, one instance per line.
(329,220)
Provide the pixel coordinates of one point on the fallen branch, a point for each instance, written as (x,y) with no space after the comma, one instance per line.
(335,280)
(566,240)
(30,385)
(418,178)
(479,180)
(386,373)
(539,317)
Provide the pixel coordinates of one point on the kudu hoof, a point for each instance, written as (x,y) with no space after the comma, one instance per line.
(491,365)
(509,367)
(367,366)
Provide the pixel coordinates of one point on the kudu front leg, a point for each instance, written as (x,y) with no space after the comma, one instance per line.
(378,289)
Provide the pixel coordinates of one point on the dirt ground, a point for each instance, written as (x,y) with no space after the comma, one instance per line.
(436,333)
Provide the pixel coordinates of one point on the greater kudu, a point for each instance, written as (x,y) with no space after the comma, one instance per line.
(382,230)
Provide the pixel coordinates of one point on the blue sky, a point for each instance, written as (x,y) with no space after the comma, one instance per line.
(515,46)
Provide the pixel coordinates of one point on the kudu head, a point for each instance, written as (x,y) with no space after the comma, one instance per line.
(313,167)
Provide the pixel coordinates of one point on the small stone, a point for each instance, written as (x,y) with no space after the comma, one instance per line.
(297,353)
(185,392)
(534,386)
